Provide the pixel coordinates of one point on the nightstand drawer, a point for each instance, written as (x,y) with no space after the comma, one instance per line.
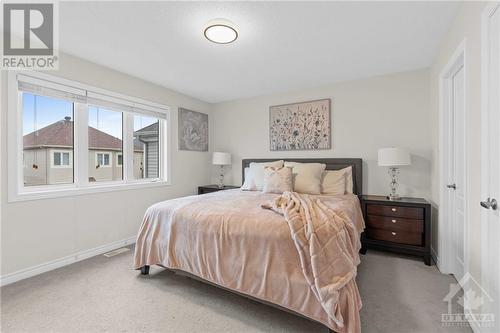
(410,238)
(396,211)
(395,223)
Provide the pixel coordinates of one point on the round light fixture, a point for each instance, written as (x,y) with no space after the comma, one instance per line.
(220,31)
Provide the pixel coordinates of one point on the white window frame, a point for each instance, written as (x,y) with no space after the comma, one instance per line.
(62,166)
(79,159)
(110,154)
(118,164)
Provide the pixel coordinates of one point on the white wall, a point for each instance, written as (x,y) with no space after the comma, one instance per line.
(367,114)
(36,232)
(467,25)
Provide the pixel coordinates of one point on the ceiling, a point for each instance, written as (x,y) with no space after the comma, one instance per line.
(282,46)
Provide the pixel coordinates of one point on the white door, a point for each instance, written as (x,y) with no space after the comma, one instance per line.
(490,165)
(456,169)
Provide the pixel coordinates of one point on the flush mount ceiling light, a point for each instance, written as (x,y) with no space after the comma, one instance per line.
(220,31)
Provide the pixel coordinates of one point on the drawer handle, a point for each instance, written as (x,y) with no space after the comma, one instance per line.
(393,221)
(393,233)
(393,209)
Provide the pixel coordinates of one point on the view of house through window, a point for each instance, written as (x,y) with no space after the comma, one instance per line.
(146,162)
(47,140)
(51,153)
(105,144)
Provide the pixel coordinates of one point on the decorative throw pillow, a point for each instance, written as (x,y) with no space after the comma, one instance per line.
(336,182)
(333,182)
(254,180)
(307,176)
(349,185)
(277,180)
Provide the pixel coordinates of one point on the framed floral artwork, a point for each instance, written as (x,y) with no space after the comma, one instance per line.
(300,126)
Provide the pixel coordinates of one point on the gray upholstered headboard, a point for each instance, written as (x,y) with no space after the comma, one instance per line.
(331,164)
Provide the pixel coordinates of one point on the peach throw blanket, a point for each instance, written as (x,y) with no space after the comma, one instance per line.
(328,245)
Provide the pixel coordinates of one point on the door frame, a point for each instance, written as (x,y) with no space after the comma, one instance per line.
(445,229)
(486,15)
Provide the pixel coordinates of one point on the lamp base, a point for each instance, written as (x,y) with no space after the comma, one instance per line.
(393,196)
(221,178)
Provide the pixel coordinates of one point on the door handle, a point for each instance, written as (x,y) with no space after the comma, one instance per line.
(453,186)
(489,203)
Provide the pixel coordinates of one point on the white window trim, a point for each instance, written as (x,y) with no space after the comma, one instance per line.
(62,166)
(16,189)
(118,164)
(110,158)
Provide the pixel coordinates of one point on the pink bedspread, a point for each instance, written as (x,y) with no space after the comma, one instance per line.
(228,239)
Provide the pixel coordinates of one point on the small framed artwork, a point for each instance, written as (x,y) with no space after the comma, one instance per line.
(193,130)
(300,126)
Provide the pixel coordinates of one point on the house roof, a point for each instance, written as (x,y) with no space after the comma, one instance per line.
(147,134)
(60,134)
(150,129)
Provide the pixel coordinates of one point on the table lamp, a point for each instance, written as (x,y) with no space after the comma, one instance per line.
(222,159)
(393,158)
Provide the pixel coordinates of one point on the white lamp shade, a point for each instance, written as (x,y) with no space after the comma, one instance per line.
(221,158)
(391,157)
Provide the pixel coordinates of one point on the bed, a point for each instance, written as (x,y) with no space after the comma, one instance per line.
(227,239)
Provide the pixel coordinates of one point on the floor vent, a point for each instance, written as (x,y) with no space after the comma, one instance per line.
(116,252)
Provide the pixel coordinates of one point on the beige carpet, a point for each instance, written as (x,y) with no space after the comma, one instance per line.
(400,294)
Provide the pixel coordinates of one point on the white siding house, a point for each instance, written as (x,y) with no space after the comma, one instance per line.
(48,156)
(148,137)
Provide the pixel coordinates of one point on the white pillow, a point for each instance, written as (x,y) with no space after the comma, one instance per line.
(246,172)
(248,183)
(335,182)
(277,180)
(254,180)
(307,176)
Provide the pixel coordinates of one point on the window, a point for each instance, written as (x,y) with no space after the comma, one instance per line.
(76,138)
(146,147)
(61,159)
(102,160)
(105,132)
(47,124)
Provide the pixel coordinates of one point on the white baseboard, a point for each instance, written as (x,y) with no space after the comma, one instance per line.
(53,264)
(435,258)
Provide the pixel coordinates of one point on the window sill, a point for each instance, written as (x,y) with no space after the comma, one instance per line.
(71,190)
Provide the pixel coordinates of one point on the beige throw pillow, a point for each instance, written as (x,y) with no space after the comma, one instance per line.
(277,180)
(306,176)
(349,185)
(337,182)
(254,180)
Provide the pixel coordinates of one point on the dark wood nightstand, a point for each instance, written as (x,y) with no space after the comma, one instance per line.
(402,226)
(214,188)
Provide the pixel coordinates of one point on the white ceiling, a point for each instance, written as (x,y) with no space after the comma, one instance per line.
(282,46)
